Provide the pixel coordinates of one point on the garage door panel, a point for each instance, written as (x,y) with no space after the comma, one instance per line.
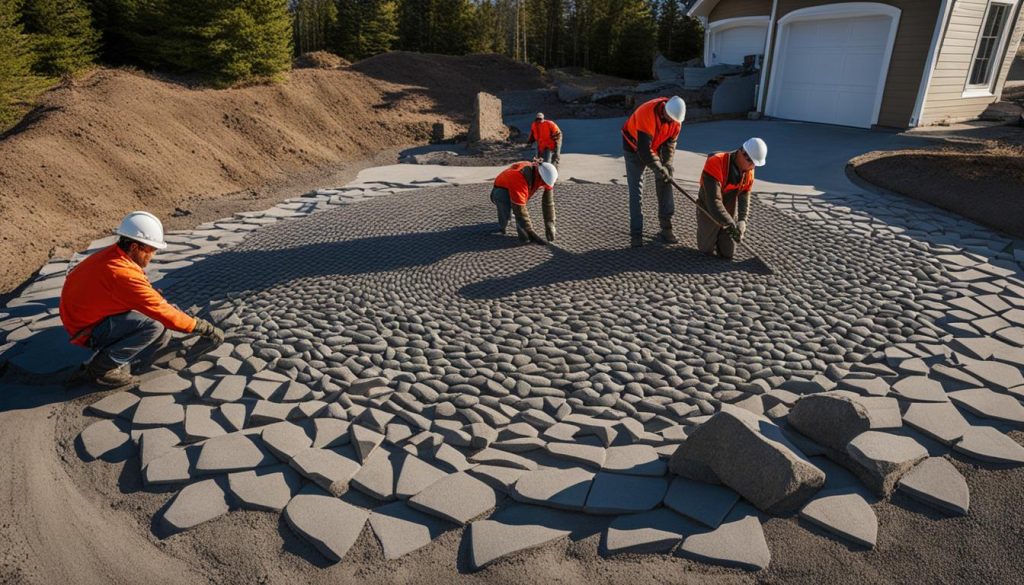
(862,67)
(731,45)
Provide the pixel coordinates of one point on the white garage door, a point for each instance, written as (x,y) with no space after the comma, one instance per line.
(831,70)
(731,45)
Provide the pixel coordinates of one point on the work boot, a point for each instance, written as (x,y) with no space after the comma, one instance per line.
(636,241)
(112,378)
(666,232)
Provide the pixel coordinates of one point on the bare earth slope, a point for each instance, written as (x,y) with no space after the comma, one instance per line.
(118,140)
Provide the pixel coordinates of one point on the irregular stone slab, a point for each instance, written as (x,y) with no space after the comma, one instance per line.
(751,455)
(103,437)
(845,514)
(866,387)
(269,412)
(227,389)
(883,412)
(330,432)
(327,468)
(118,404)
(197,503)
(920,389)
(580,453)
(267,488)
(613,493)
(496,476)
(457,498)
(497,457)
(163,382)
(158,411)
(986,403)
(830,418)
(154,443)
(648,532)
(285,440)
(937,483)
(635,460)
(555,488)
(997,374)
(235,415)
(450,458)
(738,542)
(988,444)
(704,502)
(234,452)
(940,421)
(199,423)
(883,458)
(329,524)
(365,441)
(263,389)
(174,466)
(295,392)
(376,478)
(515,529)
(416,475)
(402,530)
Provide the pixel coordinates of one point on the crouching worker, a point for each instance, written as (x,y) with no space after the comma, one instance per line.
(725,187)
(513,189)
(108,305)
(548,137)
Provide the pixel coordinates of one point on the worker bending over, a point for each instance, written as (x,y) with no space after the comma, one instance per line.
(649,141)
(108,305)
(725,187)
(513,189)
(548,137)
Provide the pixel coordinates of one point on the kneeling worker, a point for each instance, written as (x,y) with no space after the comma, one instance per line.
(108,305)
(513,189)
(725,187)
(548,137)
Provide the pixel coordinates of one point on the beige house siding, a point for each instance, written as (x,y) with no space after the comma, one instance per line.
(737,8)
(909,54)
(944,101)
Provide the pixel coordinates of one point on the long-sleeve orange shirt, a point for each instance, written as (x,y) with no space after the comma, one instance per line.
(109,283)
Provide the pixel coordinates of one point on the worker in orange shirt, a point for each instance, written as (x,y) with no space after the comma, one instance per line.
(724,193)
(512,190)
(649,141)
(548,137)
(108,305)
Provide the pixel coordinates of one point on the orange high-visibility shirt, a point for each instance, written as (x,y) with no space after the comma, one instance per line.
(109,283)
(647,119)
(545,132)
(717,166)
(513,180)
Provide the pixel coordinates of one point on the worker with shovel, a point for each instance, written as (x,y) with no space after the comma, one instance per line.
(724,197)
(513,189)
(108,305)
(649,141)
(548,137)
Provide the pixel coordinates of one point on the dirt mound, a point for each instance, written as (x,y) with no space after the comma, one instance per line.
(120,140)
(320,60)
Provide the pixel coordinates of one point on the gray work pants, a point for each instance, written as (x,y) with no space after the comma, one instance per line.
(712,239)
(123,338)
(635,179)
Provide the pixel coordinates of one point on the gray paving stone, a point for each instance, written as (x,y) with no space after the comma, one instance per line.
(920,389)
(376,477)
(635,460)
(103,437)
(119,404)
(163,382)
(197,503)
(986,403)
(492,456)
(285,439)
(450,458)
(327,468)
(940,421)
(227,389)
(174,466)
(706,503)
(555,488)
(648,532)
(498,477)
(997,374)
(580,453)
(515,529)
(613,493)
(200,424)
(738,542)
(937,483)
(234,414)
(329,524)
(365,441)
(264,389)
(885,458)
(295,392)
(158,411)
(232,452)
(402,530)
(845,514)
(458,498)
(415,475)
(266,488)
(270,412)
(154,443)
(563,432)
(330,432)
(988,444)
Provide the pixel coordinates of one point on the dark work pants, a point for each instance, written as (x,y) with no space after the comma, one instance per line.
(635,179)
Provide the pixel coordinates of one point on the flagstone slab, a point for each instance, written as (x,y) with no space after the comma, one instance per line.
(458,498)
(232,452)
(197,503)
(884,457)
(200,424)
(940,421)
(844,513)
(376,477)
(158,411)
(285,439)
(555,488)
(402,530)
(329,524)
(163,382)
(516,529)
(266,488)
(988,444)
(614,493)
(103,437)
(154,443)
(738,542)
(635,460)
(920,389)
(330,432)
(986,403)
(936,482)
(365,441)
(498,477)
(994,373)
(580,453)
(119,404)
(647,532)
(415,475)
(227,389)
(327,468)
(492,456)
(706,503)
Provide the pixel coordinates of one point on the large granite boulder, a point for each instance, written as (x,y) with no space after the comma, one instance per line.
(832,419)
(749,454)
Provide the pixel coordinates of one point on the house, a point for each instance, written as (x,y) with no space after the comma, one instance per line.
(892,63)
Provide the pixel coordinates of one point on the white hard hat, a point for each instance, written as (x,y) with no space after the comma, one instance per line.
(676,108)
(548,174)
(757,150)
(540,116)
(143,227)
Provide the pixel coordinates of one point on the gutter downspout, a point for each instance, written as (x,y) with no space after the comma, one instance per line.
(769,45)
(945,10)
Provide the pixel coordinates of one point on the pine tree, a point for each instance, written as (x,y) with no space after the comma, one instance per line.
(366,27)
(62,35)
(18,84)
(316,22)
(247,41)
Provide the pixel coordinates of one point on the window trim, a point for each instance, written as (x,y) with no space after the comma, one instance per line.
(987,89)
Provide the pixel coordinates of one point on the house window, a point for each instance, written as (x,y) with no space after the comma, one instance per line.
(987,53)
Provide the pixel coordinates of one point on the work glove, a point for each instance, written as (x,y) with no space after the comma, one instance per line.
(733,231)
(663,173)
(208,331)
(549,231)
(742,227)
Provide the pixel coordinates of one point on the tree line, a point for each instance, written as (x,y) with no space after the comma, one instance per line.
(226,42)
